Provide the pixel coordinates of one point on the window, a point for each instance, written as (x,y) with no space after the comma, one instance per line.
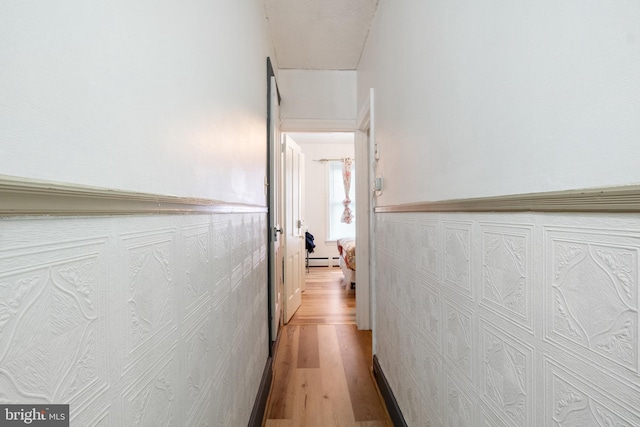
(335,228)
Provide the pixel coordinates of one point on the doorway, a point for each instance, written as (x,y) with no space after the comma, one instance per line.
(324,193)
(360,144)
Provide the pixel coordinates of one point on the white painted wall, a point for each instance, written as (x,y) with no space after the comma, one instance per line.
(515,319)
(314,147)
(322,95)
(500,97)
(135,320)
(164,98)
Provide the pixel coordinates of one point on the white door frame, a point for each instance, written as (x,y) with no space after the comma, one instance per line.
(274,192)
(364,214)
(364,183)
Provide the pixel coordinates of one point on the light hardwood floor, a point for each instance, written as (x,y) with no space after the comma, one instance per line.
(322,368)
(325,300)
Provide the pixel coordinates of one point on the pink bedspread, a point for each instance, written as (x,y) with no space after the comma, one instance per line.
(347,250)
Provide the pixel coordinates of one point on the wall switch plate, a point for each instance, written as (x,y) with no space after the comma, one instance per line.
(378,183)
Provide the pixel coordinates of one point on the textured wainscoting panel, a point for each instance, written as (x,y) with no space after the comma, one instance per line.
(137,320)
(523,319)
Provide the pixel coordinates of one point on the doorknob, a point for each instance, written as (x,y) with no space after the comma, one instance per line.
(276,230)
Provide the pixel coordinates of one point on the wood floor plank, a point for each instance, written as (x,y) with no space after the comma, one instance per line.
(308,356)
(364,397)
(325,300)
(365,346)
(323,334)
(308,398)
(310,320)
(280,405)
(377,423)
(336,404)
(279,423)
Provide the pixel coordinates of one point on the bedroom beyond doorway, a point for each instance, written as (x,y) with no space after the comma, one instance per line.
(324,191)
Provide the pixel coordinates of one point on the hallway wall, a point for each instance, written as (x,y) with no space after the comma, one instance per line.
(146,320)
(165,98)
(135,319)
(499,97)
(510,319)
(514,319)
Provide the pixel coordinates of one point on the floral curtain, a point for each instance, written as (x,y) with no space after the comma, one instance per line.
(347,214)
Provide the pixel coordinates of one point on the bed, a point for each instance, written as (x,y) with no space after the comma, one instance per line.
(347,260)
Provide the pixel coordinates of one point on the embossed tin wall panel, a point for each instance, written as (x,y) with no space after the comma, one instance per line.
(53,304)
(198,345)
(431,315)
(429,252)
(458,337)
(134,320)
(150,257)
(486,418)
(592,293)
(433,386)
(524,319)
(574,402)
(460,407)
(150,398)
(507,272)
(198,271)
(506,376)
(457,257)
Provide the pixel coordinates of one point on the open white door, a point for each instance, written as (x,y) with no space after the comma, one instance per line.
(294,228)
(275,218)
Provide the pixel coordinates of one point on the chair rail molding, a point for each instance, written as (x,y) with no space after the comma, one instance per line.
(24,197)
(610,199)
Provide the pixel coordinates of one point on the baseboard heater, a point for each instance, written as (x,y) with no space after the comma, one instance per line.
(323,261)
(389,399)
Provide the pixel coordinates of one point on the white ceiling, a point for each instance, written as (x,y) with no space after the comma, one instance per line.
(319,34)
